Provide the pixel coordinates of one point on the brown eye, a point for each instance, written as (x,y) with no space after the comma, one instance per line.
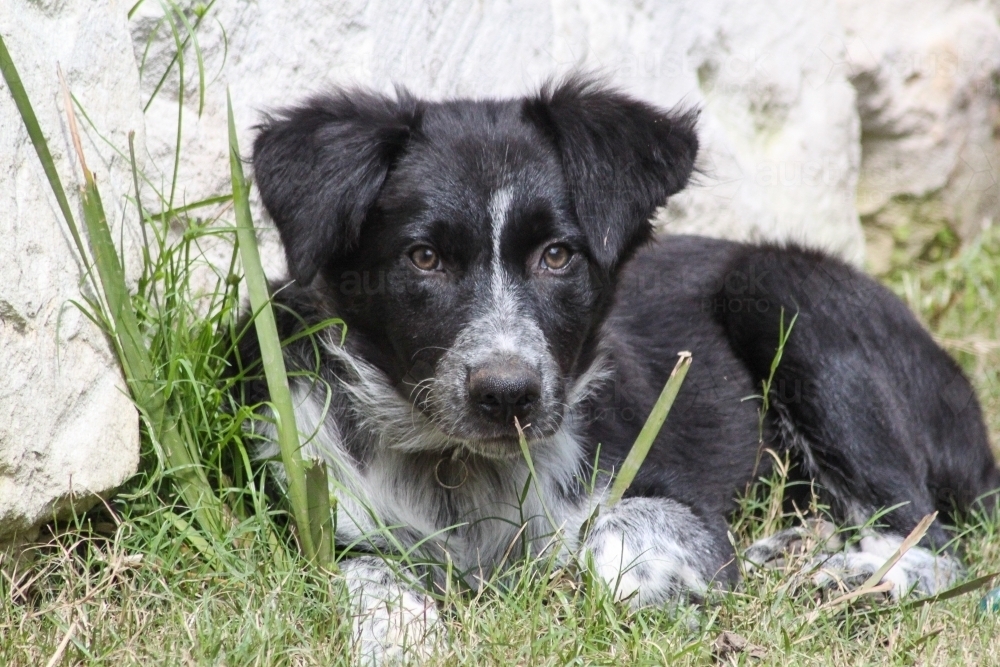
(556,256)
(425,259)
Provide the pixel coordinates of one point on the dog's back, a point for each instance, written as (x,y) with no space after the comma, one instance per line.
(863,399)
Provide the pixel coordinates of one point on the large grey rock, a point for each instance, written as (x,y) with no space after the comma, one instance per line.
(67,428)
(779,125)
(926,75)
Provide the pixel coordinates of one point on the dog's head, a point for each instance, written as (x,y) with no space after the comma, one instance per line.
(472,246)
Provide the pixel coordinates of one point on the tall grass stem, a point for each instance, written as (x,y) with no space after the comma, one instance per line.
(643,442)
(312,536)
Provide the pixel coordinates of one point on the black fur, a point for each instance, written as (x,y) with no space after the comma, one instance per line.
(873,410)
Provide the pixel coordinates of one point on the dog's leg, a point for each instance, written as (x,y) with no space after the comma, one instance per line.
(875,412)
(654,550)
(829,563)
(392,621)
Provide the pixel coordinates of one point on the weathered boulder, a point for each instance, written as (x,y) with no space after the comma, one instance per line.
(926,75)
(68,430)
(779,124)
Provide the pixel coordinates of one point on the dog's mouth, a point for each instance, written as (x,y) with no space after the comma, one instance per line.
(494,440)
(506,448)
(464,427)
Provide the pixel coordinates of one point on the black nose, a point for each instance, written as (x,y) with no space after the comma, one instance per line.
(505,390)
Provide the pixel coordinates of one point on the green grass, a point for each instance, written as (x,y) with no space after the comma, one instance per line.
(143,580)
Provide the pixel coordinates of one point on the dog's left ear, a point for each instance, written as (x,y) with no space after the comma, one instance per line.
(621,159)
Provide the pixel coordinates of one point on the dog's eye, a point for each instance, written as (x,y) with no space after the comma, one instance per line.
(425,259)
(556,256)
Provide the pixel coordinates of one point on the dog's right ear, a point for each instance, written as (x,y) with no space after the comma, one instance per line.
(319,168)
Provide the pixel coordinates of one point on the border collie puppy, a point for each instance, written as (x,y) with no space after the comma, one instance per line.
(494,264)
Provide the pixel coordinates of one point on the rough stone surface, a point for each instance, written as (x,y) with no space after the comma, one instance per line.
(67,429)
(779,124)
(926,75)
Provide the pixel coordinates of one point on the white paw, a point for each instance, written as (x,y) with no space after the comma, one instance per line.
(649,551)
(830,564)
(392,622)
(774,550)
(919,571)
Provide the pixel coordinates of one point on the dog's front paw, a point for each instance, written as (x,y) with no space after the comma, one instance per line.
(392,622)
(651,551)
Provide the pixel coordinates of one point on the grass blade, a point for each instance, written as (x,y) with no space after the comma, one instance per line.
(193,38)
(320,513)
(310,533)
(658,415)
(955,591)
(783,335)
(177,54)
(30,121)
(911,541)
(134,356)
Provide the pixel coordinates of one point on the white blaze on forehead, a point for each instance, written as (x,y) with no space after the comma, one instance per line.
(499,206)
(503,302)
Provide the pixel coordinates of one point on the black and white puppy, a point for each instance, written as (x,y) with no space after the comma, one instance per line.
(493,262)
